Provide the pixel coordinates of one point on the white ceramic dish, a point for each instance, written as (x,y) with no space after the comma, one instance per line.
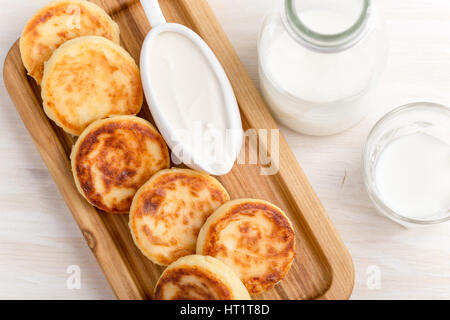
(166,128)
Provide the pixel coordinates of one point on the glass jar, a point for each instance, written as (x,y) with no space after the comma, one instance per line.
(319,61)
(423,118)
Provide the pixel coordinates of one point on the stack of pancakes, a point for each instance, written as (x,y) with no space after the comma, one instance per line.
(71,48)
(214,248)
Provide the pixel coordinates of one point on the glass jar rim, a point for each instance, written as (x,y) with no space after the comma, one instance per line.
(368,181)
(325,42)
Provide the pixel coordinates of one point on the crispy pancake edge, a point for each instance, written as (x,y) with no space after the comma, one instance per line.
(66,49)
(227,209)
(40,16)
(220,273)
(96,125)
(134,207)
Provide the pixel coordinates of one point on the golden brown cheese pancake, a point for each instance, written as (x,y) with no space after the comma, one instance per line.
(199,278)
(114,157)
(87,79)
(169,210)
(58,22)
(254,238)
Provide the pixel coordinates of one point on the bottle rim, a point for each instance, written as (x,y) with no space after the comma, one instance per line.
(325,42)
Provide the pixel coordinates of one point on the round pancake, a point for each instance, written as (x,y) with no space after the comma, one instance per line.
(87,79)
(254,238)
(169,210)
(199,278)
(114,157)
(58,22)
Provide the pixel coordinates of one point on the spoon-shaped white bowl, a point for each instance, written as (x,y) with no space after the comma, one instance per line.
(159,112)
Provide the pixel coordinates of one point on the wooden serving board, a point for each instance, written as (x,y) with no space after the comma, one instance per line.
(322,268)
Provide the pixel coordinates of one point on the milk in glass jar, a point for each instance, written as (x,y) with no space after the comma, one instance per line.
(319,61)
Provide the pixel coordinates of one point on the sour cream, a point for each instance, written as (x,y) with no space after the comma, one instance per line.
(190,96)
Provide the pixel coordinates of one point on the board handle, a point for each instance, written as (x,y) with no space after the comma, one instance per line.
(153,12)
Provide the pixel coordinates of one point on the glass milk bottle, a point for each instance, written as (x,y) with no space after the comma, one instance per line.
(319,61)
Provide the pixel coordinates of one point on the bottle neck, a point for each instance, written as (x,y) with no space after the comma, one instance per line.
(326,25)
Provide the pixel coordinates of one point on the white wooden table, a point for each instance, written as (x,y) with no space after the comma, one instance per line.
(39,239)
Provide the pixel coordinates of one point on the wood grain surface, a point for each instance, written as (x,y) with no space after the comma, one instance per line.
(39,239)
(322,268)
